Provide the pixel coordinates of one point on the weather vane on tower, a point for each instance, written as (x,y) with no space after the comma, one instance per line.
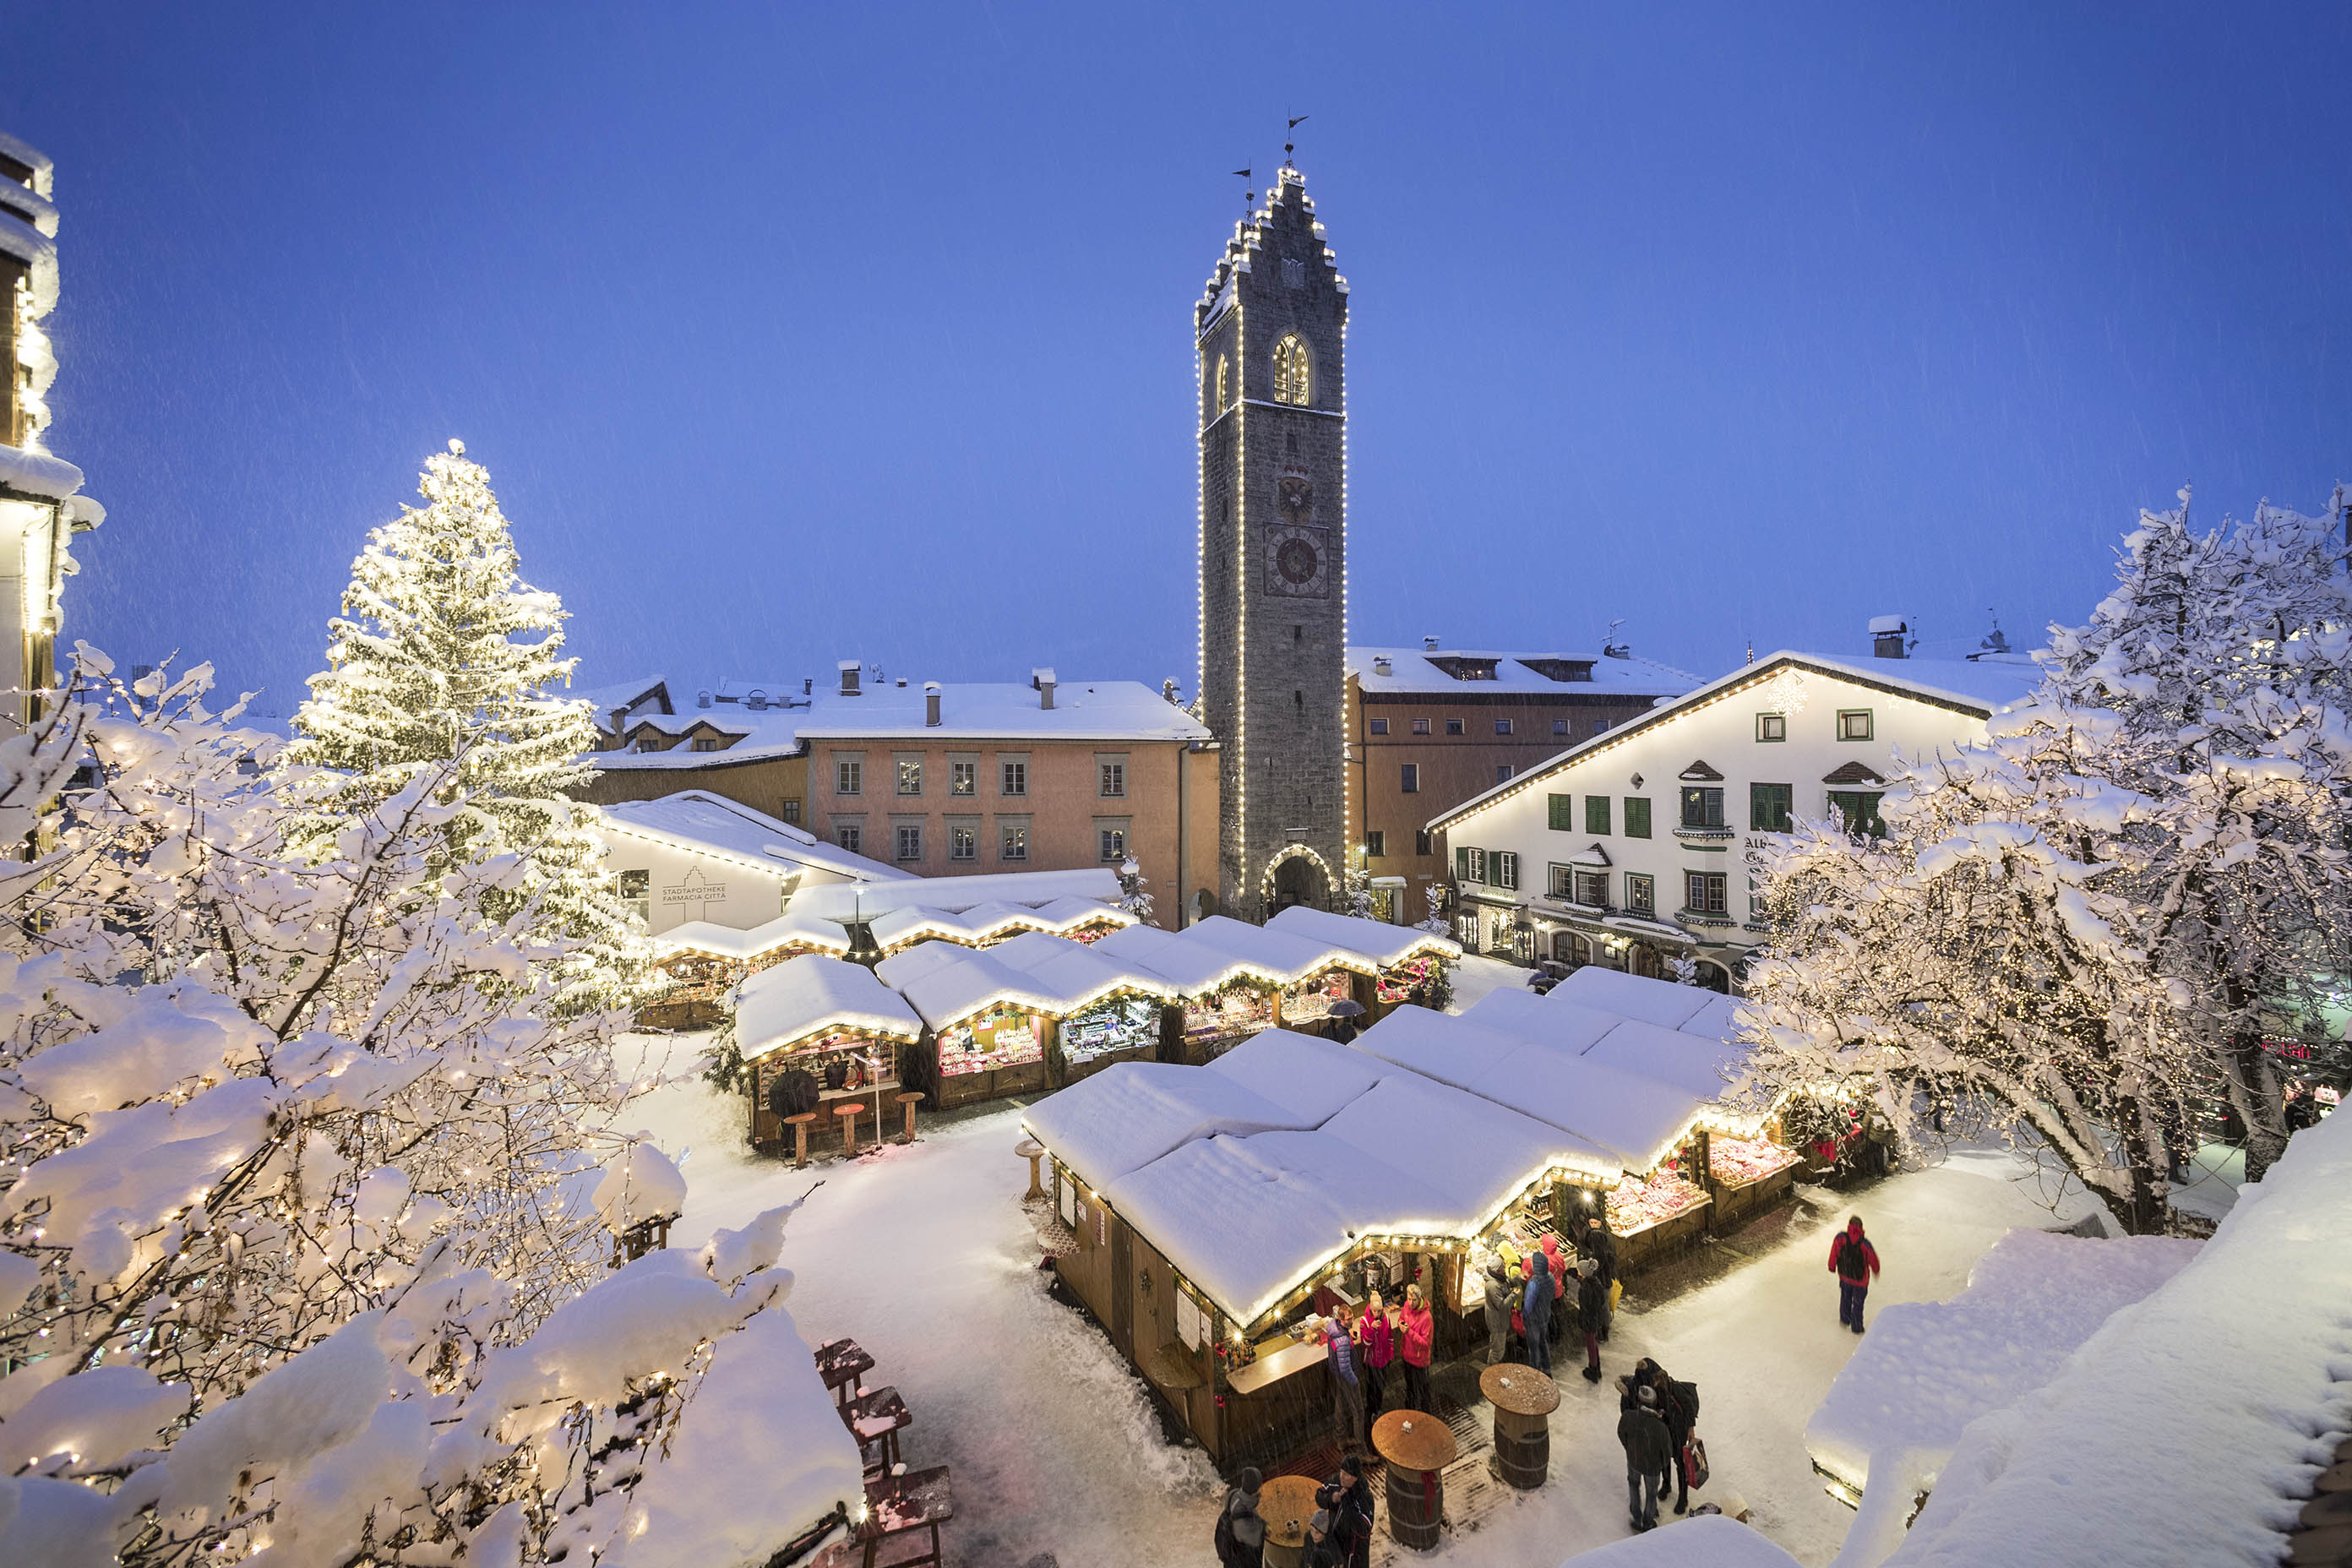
(1288,132)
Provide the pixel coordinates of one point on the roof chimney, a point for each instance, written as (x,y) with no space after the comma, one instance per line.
(1380,667)
(1886,637)
(849,672)
(1429,645)
(931,704)
(1043,679)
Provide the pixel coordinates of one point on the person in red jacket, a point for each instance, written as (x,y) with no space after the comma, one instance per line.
(1853,1260)
(1378,1348)
(1413,1352)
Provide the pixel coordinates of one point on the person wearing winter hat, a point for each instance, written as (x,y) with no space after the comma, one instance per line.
(1499,1305)
(1420,1333)
(1648,1453)
(1592,1314)
(1536,1308)
(1853,1260)
(1241,1532)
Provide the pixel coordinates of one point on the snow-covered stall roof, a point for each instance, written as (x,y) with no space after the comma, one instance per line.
(1130,1115)
(1481,1155)
(1437,1044)
(814,994)
(1248,1220)
(2191,1425)
(1384,944)
(1929,1368)
(1073,975)
(1707,1541)
(1291,956)
(1305,1074)
(1707,1068)
(1637,1118)
(1658,1002)
(1541,1020)
(713,825)
(986,922)
(947,985)
(1195,968)
(953,895)
(790,929)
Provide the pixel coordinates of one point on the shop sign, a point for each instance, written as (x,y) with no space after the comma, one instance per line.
(695,890)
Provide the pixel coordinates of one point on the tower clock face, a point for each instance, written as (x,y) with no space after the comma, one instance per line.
(1299,562)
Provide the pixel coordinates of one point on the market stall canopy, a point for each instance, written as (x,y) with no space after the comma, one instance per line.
(1291,956)
(986,922)
(1707,1068)
(813,994)
(788,930)
(1481,1155)
(1384,944)
(1128,1115)
(1637,1118)
(1249,1219)
(1541,1020)
(1658,1002)
(1309,1076)
(1075,975)
(953,895)
(947,985)
(1437,1044)
(1195,968)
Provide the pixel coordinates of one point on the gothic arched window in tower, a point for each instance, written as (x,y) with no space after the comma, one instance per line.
(1222,365)
(1294,377)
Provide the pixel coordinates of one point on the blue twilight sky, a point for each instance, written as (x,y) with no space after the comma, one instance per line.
(797,334)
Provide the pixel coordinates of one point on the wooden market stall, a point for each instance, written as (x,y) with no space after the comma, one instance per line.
(818,1033)
(1225,998)
(701,961)
(985,925)
(1106,1010)
(1408,962)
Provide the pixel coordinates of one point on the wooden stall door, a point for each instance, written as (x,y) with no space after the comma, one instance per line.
(1122,1289)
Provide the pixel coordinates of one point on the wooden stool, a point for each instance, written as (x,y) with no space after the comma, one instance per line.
(1523,1399)
(847,1111)
(1032,1150)
(908,1100)
(799,1122)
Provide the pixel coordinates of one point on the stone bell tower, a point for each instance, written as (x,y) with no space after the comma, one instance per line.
(1271,333)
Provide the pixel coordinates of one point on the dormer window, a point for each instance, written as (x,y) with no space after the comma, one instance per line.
(1294,376)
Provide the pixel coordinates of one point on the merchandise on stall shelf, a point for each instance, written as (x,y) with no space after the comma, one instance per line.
(1398,983)
(1735,1161)
(1312,999)
(1120,1026)
(1662,1196)
(994,1040)
(1234,1010)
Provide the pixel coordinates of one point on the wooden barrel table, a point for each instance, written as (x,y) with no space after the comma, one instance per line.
(1414,1445)
(1523,1399)
(1287,1503)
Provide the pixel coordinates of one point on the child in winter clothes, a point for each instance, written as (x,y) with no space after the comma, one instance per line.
(1853,1260)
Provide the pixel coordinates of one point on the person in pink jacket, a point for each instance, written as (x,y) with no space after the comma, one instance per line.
(1855,1261)
(1377,1344)
(1418,1331)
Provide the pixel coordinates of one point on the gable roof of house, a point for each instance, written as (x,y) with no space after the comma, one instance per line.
(1976,688)
(713,825)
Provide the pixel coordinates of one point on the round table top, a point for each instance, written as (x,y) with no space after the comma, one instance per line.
(1521,1390)
(1287,1503)
(801,1116)
(908,1096)
(1429,1444)
(849,1108)
(1028,1148)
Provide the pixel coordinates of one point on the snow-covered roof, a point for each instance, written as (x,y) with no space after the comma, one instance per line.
(623,695)
(1705,1067)
(1436,1044)
(1979,688)
(1130,1115)
(1639,1120)
(953,895)
(713,825)
(1305,1074)
(1480,1154)
(33,158)
(1248,1220)
(37,474)
(1542,1020)
(986,922)
(1075,975)
(969,711)
(1416,671)
(1707,1541)
(2189,1428)
(1384,944)
(1658,1002)
(814,994)
(790,929)
(1195,968)
(947,985)
(1284,953)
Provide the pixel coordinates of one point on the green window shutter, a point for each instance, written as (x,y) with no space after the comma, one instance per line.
(1563,815)
(1596,814)
(1637,816)
(1461,864)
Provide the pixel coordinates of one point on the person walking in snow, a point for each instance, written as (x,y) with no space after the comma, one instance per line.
(1420,1333)
(1376,1347)
(1647,1446)
(1346,1388)
(1534,1308)
(1853,1260)
(1241,1532)
(1499,1305)
(1677,1405)
(1592,1314)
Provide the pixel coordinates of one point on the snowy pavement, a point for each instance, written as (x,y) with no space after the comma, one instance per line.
(924,1256)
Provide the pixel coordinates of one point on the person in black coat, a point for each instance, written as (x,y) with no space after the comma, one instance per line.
(1592,1314)
(1356,1509)
(1240,1531)
(1643,1436)
(1677,1405)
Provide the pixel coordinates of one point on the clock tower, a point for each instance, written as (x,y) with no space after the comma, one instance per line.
(1271,336)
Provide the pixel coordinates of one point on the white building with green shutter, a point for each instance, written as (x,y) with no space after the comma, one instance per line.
(1642,844)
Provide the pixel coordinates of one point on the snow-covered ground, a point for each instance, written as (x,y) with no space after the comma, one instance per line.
(925,1256)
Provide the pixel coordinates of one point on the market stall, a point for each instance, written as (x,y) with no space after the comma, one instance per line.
(1408,962)
(1658,1217)
(1105,1010)
(1310,972)
(700,961)
(985,924)
(1226,997)
(1747,1175)
(987,1022)
(814,1032)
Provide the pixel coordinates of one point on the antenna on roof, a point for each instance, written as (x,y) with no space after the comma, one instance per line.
(1288,133)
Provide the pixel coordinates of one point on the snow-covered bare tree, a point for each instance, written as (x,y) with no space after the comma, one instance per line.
(304,1238)
(443,664)
(1132,884)
(2086,925)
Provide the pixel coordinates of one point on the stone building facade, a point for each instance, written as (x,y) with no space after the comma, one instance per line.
(1270,333)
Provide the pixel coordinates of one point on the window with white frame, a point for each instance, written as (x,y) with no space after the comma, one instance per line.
(907,840)
(1012,838)
(1111,777)
(910,775)
(963,839)
(1592,888)
(849,776)
(1013,775)
(1503,867)
(963,775)
(1641,893)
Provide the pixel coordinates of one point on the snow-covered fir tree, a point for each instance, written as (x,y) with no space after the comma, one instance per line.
(2083,927)
(308,1193)
(1133,896)
(444,662)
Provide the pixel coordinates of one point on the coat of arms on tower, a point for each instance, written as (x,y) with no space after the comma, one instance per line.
(1293,496)
(1298,563)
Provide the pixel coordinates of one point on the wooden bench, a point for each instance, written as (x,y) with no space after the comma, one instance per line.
(841,1365)
(903,1515)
